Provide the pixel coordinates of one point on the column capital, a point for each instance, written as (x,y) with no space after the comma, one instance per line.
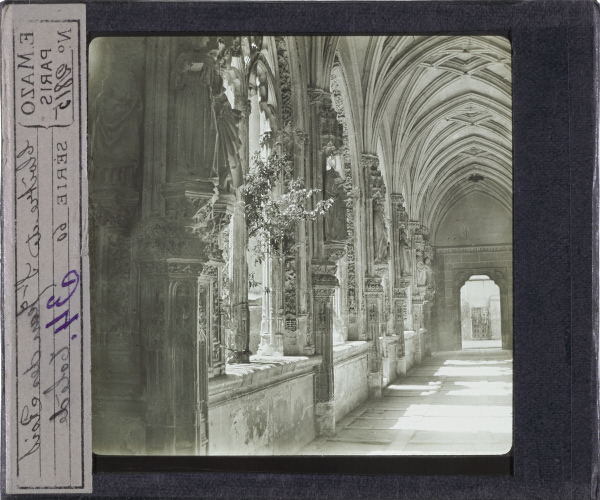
(397,200)
(318,96)
(400,292)
(415,228)
(382,269)
(373,285)
(335,251)
(324,281)
(370,161)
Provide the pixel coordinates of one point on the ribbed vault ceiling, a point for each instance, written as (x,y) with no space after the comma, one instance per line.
(440,107)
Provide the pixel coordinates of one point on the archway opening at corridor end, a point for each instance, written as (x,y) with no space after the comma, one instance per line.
(480,314)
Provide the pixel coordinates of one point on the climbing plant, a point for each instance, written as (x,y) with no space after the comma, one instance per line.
(274,202)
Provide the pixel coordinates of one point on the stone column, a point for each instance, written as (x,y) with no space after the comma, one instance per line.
(373,296)
(301,264)
(401,293)
(418,291)
(271,331)
(415,240)
(324,137)
(180,321)
(387,321)
(216,276)
(377,255)
(318,99)
(272,324)
(324,284)
(374,182)
(335,253)
(295,288)
(417,313)
(239,341)
(428,324)
(179,242)
(348,294)
(423,288)
(400,250)
(352,301)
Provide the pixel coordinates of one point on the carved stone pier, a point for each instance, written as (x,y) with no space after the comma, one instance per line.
(324,284)
(179,301)
(374,298)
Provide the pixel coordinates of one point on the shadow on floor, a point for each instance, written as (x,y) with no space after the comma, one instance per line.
(454,403)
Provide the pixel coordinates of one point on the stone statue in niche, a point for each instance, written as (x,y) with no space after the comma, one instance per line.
(116,116)
(423,270)
(404,254)
(430,277)
(335,218)
(206,141)
(228,140)
(195,79)
(228,118)
(380,232)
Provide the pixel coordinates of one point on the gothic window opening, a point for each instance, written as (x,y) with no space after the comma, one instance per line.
(266,272)
(480,313)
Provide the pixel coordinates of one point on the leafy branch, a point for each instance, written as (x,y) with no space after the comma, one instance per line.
(275,202)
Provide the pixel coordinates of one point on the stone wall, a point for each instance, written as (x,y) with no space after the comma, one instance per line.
(118,427)
(263,409)
(390,359)
(350,376)
(454,266)
(268,408)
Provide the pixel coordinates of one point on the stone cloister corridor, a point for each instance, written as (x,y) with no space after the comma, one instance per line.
(280,228)
(457,402)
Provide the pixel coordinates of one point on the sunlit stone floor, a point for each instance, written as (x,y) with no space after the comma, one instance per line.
(454,403)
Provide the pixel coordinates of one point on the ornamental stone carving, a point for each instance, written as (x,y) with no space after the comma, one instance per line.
(115,130)
(200,99)
(317,96)
(335,217)
(285,80)
(400,215)
(373,284)
(418,243)
(334,251)
(400,290)
(423,270)
(404,254)
(331,130)
(290,294)
(182,208)
(324,280)
(323,267)
(415,227)
(370,162)
(380,234)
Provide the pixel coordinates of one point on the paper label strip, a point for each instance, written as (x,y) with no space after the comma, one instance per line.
(45,265)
